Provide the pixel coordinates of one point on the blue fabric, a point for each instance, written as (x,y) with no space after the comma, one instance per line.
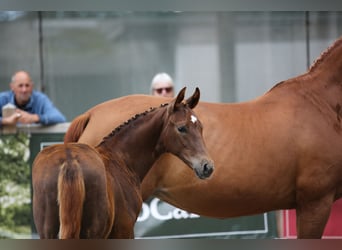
(39,104)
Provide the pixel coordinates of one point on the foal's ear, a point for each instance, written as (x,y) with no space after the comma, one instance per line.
(178,100)
(180,96)
(193,100)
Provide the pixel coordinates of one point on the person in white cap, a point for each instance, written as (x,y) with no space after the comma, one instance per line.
(162,85)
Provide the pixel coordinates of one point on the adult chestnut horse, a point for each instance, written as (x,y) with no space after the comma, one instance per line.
(282,150)
(98,189)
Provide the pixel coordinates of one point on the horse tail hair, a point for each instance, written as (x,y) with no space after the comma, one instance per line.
(76,128)
(71,196)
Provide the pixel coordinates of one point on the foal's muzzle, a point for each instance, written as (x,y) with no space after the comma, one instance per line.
(205,170)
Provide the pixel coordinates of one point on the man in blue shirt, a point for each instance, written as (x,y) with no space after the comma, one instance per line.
(31,106)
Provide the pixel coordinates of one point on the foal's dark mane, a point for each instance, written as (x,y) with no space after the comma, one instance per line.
(126,123)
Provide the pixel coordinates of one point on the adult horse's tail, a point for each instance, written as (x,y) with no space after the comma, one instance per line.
(71,195)
(76,128)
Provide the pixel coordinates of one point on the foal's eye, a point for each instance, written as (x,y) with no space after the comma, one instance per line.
(182,129)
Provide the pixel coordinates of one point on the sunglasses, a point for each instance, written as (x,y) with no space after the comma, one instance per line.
(167,90)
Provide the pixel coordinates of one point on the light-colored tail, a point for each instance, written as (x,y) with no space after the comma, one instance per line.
(71,195)
(76,128)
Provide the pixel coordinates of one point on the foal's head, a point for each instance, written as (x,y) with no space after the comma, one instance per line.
(182,134)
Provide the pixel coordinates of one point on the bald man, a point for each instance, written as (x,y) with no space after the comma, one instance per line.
(31,106)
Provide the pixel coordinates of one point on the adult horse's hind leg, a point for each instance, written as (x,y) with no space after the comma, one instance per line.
(312,217)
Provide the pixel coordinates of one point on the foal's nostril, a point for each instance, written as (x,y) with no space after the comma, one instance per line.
(207,170)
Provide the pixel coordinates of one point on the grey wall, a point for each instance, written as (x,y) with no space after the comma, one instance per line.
(90,57)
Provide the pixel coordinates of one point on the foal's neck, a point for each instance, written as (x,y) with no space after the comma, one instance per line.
(133,145)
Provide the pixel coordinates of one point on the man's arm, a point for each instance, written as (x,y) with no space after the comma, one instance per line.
(27,118)
(47,112)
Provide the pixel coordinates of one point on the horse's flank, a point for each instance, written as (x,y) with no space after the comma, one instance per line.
(61,166)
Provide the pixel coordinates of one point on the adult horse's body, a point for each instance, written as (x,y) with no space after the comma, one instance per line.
(98,189)
(281,150)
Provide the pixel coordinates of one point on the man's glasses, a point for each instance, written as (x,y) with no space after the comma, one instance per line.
(167,90)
